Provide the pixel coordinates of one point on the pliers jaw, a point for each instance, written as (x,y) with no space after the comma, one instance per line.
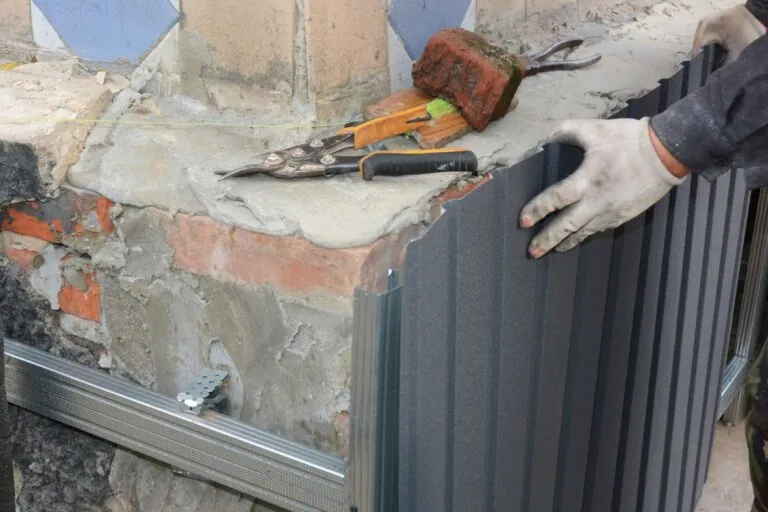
(285,162)
(535,63)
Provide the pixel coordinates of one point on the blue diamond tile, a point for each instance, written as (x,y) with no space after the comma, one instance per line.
(109,30)
(415,21)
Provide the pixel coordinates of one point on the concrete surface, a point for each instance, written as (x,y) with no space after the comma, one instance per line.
(144,162)
(50,107)
(728,488)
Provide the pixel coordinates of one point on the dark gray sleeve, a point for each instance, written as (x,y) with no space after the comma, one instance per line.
(759,9)
(724,124)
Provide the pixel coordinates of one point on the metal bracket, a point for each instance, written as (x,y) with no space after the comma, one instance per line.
(205,393)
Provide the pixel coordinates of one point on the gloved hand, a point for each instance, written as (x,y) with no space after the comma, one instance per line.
(625,171)
(733,29)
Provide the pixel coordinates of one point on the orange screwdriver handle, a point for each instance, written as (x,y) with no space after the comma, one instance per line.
(388,126)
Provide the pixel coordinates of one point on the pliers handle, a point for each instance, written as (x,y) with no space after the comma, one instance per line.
(534,63)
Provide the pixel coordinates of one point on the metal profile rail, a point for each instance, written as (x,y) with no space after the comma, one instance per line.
(733,395)
(213,446)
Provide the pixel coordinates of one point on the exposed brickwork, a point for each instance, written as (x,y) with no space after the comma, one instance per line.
(465,69)
(80,293)
(292,264)
(24,258)
(75,213)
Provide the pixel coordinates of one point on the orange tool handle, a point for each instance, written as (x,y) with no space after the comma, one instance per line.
(388,126)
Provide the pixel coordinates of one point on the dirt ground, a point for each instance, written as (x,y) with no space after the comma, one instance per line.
(728,488)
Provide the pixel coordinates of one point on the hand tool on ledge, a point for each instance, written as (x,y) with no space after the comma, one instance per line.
(481,79)
(317,157)
(375,163)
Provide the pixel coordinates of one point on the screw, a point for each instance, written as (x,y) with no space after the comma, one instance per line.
(272,158)
(327,159)
(298,152)
(316,143)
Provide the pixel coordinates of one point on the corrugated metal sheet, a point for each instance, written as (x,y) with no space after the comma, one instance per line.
(586,381)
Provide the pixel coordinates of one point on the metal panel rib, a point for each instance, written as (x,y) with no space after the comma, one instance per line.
(214,447)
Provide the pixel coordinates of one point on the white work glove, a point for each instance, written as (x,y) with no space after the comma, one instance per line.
(621,177)
(734,29)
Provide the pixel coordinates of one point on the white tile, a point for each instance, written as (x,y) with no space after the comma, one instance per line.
(470,18)
(400,62)
(164,55)
(44,34)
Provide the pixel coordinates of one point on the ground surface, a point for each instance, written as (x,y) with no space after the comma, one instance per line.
(728,488)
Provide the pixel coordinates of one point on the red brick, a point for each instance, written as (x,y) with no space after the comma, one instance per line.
(465,69)
(22,257)
(203,246)
(74,213)
(83,303)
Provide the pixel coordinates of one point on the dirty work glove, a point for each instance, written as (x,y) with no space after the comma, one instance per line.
(622,175)
(733,29)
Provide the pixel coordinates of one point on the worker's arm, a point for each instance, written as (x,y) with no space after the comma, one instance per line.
(630,164)
(724,124)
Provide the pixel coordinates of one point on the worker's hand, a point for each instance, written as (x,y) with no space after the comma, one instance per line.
(733,29)
(625,171)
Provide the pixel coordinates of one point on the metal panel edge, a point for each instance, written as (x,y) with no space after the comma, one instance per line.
(226,451)
(372,474)
(732,393)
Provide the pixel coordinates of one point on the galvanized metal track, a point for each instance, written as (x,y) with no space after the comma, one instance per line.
(213,446)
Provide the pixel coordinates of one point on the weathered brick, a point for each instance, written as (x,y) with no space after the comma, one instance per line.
(291,264)
(22,249)
(73,213)
(80,293)
(465,69)
(24,258)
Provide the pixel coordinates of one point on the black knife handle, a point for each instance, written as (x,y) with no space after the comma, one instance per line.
(427,161)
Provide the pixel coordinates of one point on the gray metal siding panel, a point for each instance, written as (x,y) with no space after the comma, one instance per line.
(552,359)
(685,344)
(592,285)
(583,381)
(657,417)
(635,406)
(614,363)
(426,364)
(702,358)
(476,324)
(736,215)
(516,356)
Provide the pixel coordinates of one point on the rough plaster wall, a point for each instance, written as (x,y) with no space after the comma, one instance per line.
(520,25)
(251,39)
(347,46)
(289,358)
(15,19)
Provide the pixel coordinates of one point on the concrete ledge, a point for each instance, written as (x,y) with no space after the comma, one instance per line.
(170,166)
(50,108)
